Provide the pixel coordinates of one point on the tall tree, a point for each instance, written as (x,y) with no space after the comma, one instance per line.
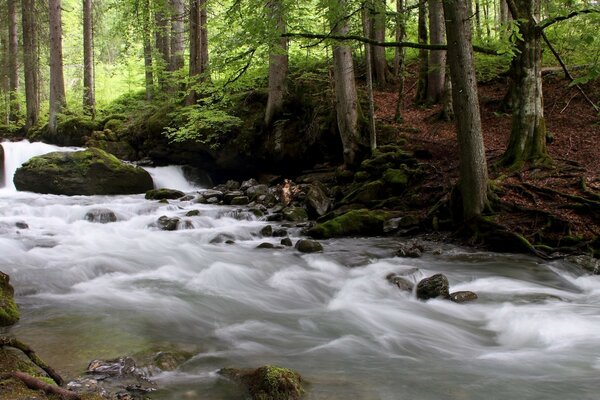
(399,59)
(177,30)
(378,21)
(421,93)
(148,62)
(278,62)
(89,97)
(473,178)
(345,86)
(369,64)
(30,63)
(198,47)
(437,58)
(13,56)
(162,41)
(528,133)
(57,82)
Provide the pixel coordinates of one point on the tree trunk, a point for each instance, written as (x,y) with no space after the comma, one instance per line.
(198,47)
(13,65)
(161,34)
(379,63)
(437,58)
(345,87)
(57,83)
(421,93)
(30,63)
(4,80)
(473,178)
(89,98)
(400,52)
(447,105)
(369,64)
(204,70)
(148,64)
(177,29)
(504,14)
(528,133)
(278,63)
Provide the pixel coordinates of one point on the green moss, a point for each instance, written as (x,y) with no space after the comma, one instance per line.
(161,194)
(396,178)
(366,194)
(361,222)
(268,382)
(9,313)
(361,176)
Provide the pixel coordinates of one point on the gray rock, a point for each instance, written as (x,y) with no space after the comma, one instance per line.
(308,246)
(281,232)
(266,246)
(23,225)
(410,250)
(248,184)
(588,263)
(267,231)
(164,194)
(295,214)
(287,242)
(209,194)
(240,201)
(168,224)
(193,213)
(232,185)
(463,297)
(433,287)
(402,283)
(229,196)
(317,200)
(100,215)
(255,191)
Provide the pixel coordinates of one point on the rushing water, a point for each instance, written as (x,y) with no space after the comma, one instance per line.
(89,290)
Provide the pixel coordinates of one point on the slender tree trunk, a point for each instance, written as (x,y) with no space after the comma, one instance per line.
(447,105)
(478,19)
(148,63)
(177,30)
(528,133)
(195,42)
(345,87)
(4,79)
(421,93)
(204,40)
(278,64)
(437,58)
(473,180)
(504,14)
(57,83)
(369,64)
(379,63)
(89,98)
(13,56)
(161,34)
(400,52)
(30,63)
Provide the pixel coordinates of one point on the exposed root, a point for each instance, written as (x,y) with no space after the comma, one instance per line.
(17,344)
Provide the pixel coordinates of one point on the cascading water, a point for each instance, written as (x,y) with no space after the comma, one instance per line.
(90,290)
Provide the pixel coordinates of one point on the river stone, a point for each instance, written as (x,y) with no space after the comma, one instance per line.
(281,232)
(287,242)
(222,238)
(164,193)
(590,264)
(168,224)
(9,313)
(409,250)
(211,194)
(432,287)
(248,184)
(88,172)
(22,225)
(267,231)
(308,246)
(240,201)
(463,297)
(229,196)
(317,200)
(266,246)
(232,185)
(255,191)
(268,382)
(101,215)
(295,214)
(2,179)
(402,283)
(193,213)
(354,223)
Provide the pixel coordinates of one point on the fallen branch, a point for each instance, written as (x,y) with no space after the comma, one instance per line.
(28,351)
(36,384)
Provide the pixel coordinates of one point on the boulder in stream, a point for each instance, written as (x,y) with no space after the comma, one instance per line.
(88,172)
(268,382)
(354,223)
(433,287)
(463,297)
(9,313)
(308,246)
(403,284)
(100,215)
(164,193)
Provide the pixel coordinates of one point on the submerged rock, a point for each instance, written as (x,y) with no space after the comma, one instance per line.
(266,231)
(410,250)
(168,224)
(308,246)
(268,382)
(402,283)
(9,313)
(164,194)
(100,215)
(88,172)
(287,242)
(433,287)
(463,297)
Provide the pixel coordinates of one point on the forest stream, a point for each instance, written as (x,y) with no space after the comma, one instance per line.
(95,291)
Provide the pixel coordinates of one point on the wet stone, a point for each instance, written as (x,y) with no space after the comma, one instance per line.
(266,246)
(23,225)
(100,215)
(240,201)
(402,283)
(193,213)
(287,242)
(433,287)
(463,296)
(308,246)
(281,232)
(266,231)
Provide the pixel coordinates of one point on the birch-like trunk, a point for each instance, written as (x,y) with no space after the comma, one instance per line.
(473,178)
(57,82)
(278,63)
(30,63)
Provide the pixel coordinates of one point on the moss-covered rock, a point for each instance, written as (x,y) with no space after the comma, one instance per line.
(89,172)
(396,178)
(9,313)
(295,214)
(361,222)
(163,193)
(70,131)
(367,194)
(268,382)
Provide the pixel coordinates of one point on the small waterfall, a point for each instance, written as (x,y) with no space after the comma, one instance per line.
(171,177)
(17,153)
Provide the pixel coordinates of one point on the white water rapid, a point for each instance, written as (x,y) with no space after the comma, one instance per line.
(89,290)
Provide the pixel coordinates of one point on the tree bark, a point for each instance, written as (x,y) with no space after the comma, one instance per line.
(399,61)
(345,88)
(177,30)
(504,14)
(57,83)
(473,178)
(89,97)
(198,47)
(13,65)
(148,63)
(162,43)
(369,64)
(528,132)
(437,58)
(30,63)
(421,93)
(379,63)
(204,70)
(278,63)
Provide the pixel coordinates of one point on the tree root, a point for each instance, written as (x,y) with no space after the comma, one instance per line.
(28,351)
(36,384)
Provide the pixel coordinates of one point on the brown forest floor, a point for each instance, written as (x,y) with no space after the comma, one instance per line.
(575,151)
